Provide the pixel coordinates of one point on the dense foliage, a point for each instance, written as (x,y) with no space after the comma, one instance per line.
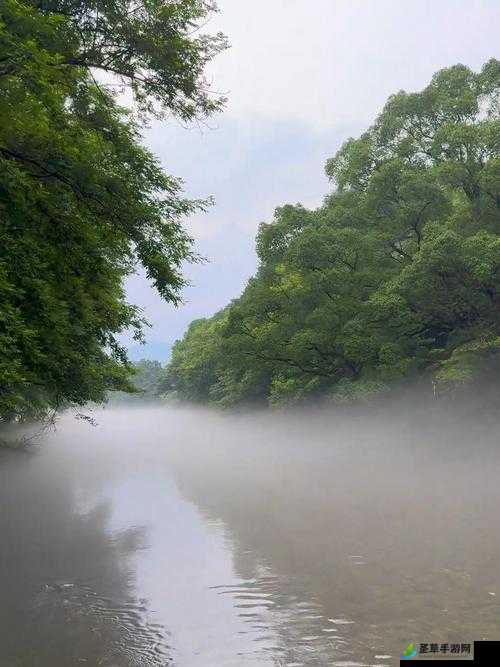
(396,275)
(81,201)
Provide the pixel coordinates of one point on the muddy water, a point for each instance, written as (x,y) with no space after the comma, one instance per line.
(183,537)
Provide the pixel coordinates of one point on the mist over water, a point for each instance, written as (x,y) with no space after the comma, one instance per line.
(188,537)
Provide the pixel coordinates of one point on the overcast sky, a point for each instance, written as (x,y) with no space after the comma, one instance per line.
(301,77)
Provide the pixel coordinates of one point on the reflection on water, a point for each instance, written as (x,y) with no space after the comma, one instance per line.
(66,578)
(189,538)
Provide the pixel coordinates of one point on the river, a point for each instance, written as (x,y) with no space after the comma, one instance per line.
(168,536)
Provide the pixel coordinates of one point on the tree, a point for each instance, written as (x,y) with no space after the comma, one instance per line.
(395,276)
(81,201)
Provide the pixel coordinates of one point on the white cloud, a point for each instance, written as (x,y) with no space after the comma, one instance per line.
(336,61)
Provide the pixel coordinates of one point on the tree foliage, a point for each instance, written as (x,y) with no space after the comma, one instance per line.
(396,275)
(81,201)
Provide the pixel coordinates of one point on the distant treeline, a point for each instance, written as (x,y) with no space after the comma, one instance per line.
(396,276)
(145,381)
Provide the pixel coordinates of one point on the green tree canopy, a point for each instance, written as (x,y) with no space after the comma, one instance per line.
(81,201)
(396,275)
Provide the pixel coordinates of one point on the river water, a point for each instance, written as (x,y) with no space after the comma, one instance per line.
(167,536)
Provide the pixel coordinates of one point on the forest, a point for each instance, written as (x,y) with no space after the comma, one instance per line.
(395,278)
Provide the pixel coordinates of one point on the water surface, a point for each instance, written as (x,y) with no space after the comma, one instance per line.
(183,537)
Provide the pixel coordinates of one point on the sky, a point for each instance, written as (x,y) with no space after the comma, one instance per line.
(301,77)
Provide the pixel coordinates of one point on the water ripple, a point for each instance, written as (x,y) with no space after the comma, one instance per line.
(125,635)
